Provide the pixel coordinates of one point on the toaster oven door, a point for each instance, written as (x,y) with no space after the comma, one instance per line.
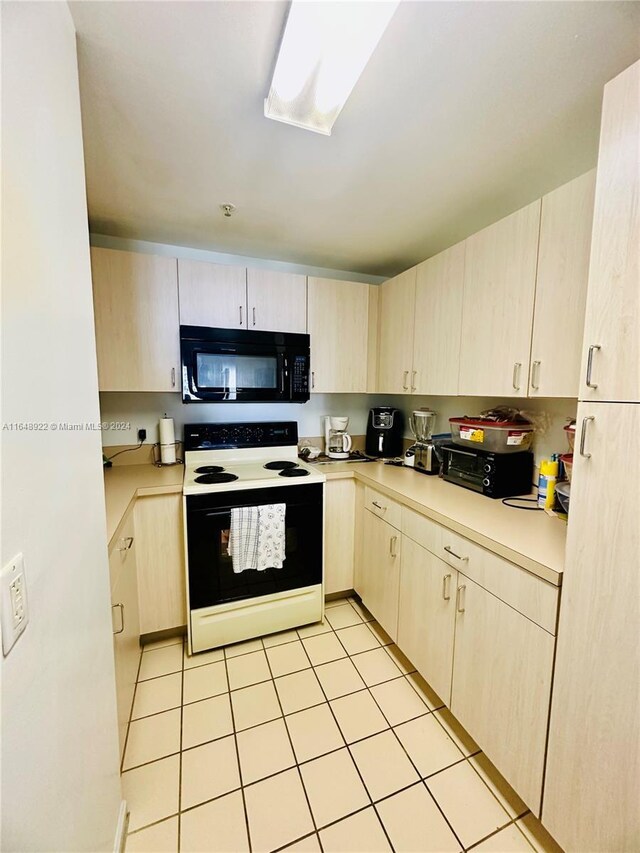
(464,467)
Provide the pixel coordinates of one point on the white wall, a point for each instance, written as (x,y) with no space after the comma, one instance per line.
(60,784)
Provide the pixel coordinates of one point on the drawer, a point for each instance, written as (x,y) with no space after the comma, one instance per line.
(533,597)
(422,530)
(383,507)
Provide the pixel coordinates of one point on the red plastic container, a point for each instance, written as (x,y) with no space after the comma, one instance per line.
(506,437)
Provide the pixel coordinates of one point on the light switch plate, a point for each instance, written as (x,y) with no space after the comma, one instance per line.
(14,612)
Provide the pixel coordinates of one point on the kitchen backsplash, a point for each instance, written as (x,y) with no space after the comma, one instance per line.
(143,410)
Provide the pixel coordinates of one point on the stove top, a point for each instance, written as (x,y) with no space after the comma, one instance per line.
(243,456)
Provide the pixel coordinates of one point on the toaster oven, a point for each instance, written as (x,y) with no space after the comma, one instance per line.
(497,475)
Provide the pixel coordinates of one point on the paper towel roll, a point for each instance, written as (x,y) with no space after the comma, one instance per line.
(167,441)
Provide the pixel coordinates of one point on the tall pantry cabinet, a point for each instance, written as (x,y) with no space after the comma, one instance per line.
(593,766)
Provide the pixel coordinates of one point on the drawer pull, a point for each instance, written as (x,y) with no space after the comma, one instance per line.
(380,507)
(583,436)
(392,546)
(592,349)
(126,543)
(460,598)
(453,554)
(121,606)
(446,587)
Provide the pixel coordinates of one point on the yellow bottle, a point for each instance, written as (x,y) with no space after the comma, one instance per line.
(547,483)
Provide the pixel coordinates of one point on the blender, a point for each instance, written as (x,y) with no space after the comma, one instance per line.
(421,456)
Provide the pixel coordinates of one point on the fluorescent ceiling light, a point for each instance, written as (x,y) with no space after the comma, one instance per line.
(324,50)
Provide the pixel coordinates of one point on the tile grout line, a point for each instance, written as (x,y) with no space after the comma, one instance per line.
(180,759)
(129,721)
(512,822)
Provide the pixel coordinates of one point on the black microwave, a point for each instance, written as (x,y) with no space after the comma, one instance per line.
(497,475)
(230,365)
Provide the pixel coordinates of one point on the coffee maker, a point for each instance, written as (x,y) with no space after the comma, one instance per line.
(421,456)
(337,441)
(384,432)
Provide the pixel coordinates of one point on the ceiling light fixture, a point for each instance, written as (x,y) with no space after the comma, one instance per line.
(325,48)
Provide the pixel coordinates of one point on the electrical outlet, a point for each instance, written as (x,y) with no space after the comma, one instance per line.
(14,611)
(142,435)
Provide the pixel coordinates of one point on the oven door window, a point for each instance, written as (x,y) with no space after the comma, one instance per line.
(466,466)
(229,372)
(211,576)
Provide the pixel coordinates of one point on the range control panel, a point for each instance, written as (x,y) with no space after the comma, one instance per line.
(232,435)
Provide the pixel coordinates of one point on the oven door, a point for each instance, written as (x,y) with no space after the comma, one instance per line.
(211,577)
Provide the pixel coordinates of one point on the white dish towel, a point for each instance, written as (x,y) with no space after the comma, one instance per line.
(257,537)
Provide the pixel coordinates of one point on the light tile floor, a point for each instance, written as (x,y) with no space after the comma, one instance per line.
(321,739)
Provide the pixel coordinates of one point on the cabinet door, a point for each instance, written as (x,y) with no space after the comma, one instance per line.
(426,615)
(338,325)
(212,295)
(438,323)
(501,686)
(339,526)
(161,574)
(497,315)
(135,299)
(396,309)
(612,321)
(561,289)
(126,628)
(381,571)
(594,753)
(276,301)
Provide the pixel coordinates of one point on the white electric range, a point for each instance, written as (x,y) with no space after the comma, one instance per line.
(229,466)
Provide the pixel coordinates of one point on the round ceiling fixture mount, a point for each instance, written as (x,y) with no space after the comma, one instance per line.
(227,209)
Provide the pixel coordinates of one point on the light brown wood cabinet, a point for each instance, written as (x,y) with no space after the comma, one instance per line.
(135,299)
(427,615)
(497,315)
(161,572)
(593,766)
(501,685)
(438,323)
(380,571)
(126,623)
(213,295)
(339,531)
(396,307)
(339,330)
(611,353)
(276,301)
(561,288)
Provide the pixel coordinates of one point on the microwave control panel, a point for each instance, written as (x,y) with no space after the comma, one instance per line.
(300,373)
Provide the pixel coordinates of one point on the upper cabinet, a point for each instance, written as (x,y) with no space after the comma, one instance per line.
(212,295)
(396,307)
(438,322)
(561,288)
(611,354)
(135,299)
(499,290)
(276,301)
(339,329)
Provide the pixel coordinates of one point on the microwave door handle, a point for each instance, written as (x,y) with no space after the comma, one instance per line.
(283,375)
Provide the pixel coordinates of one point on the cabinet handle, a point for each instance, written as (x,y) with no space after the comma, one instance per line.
(413,379)
(383,508)
(516,375)
(240,309)
(460,598)
(392,546)
(592,349)
(453,554)
(535,375)
(173,377)
(121,629)
(584,435)
(405,380)
(313,379)
(254,315)
(446,587)
(126,543)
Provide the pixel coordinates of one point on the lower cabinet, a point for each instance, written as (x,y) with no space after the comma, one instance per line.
(126,622)
(501,686)
(379,584)
(161,574)
(427,615)
(339,517)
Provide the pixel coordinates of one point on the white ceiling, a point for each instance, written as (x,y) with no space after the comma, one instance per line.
(466,112)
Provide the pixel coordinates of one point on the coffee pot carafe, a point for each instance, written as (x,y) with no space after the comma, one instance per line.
(337,439)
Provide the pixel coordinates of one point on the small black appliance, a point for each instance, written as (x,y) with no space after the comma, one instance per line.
(497,475)
(385,432)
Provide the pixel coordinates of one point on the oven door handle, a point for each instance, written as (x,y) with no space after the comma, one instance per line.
(461,452)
